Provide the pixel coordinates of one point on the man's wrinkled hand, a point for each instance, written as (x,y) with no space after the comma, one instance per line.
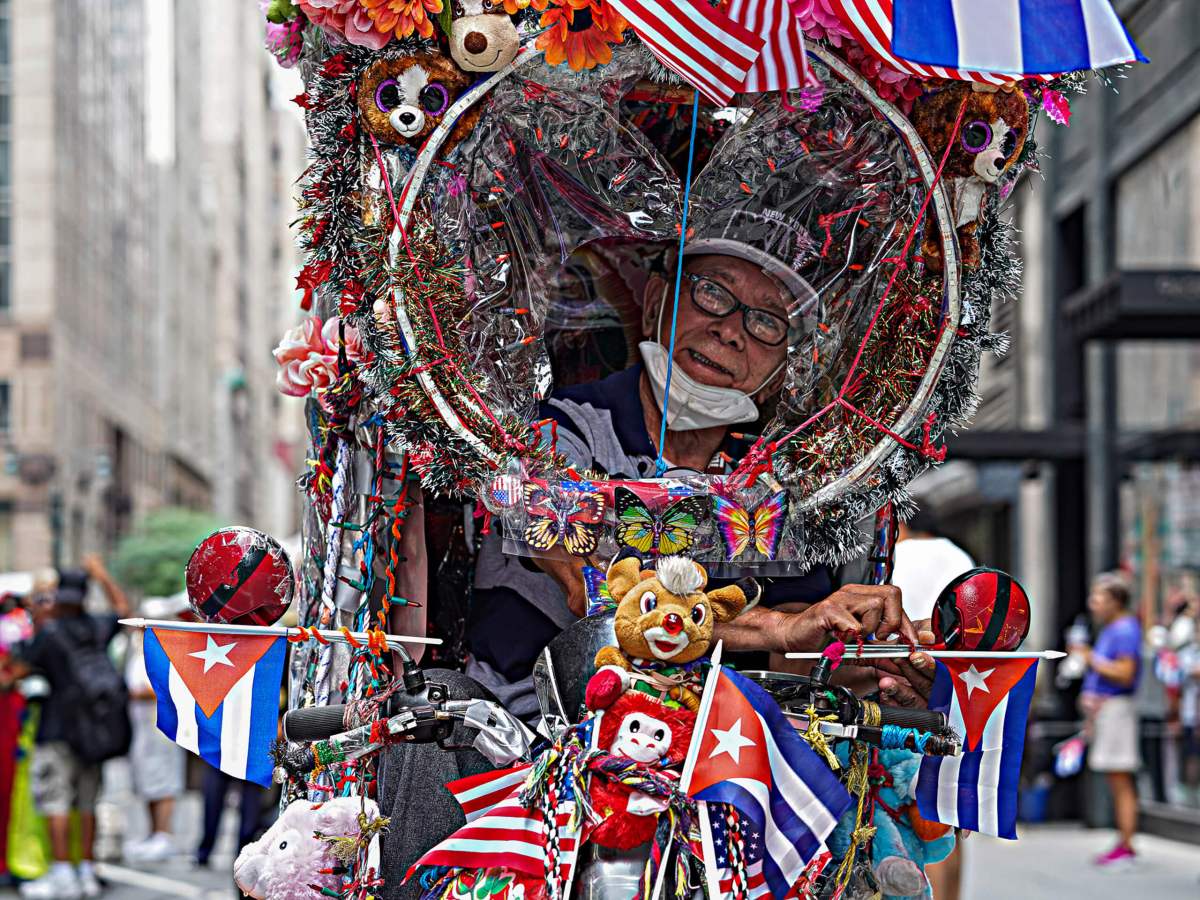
(856,610)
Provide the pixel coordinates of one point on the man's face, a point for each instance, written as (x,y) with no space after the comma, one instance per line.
(718,351)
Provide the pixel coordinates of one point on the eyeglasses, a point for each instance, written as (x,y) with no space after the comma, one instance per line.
(717,300)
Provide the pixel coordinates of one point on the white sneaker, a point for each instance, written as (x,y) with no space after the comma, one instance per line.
(57,884)
(89,886)
(159,847)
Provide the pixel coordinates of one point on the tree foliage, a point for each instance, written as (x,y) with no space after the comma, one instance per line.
(151,559)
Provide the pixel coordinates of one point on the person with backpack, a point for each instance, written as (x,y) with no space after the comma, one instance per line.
(84,722)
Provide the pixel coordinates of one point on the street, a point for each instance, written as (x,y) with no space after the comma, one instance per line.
(1055,861)
(1047,862)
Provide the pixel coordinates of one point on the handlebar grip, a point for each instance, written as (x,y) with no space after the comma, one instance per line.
(314,723)
(921,719)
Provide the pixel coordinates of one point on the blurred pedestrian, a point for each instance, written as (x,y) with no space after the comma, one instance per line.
(158,762)
(1185,639)
(1114,667)
(215,789)
(927,561)
(84,721)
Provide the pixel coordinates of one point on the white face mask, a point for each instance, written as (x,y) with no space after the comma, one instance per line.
(695,405)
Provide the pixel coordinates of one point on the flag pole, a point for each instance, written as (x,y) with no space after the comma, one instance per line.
(685,779)
(904,652)
(394,641)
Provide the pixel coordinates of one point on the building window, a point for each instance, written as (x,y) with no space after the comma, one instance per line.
(5,407)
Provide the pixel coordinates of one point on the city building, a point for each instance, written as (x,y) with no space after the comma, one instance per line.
(146,157)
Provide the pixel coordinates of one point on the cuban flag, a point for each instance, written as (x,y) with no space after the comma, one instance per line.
(748,755)
(218,696)
(987,702)
(1015,37)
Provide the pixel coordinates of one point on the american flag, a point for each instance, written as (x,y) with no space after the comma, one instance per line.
(703,45)
(780,66)
(724,846)
(476,794)
(870,23)
(507,836)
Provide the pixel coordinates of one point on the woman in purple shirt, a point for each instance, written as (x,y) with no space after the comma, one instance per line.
(1114,666)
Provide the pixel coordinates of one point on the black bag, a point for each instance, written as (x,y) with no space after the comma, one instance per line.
(96,701)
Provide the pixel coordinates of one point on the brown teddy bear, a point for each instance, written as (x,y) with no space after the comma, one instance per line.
(403,100)
(664,625)
(989,141)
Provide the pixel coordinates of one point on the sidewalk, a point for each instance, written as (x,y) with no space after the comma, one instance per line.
(1054,861)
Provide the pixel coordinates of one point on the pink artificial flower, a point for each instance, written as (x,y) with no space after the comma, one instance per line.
(1056,105)
(818,20)
(307,356)
(286,41)
(347,19)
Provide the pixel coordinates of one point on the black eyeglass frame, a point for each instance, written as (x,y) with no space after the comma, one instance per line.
(695,277)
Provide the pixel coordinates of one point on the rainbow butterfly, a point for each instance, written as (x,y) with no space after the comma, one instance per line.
(567,516)
(662,535)
(761,527)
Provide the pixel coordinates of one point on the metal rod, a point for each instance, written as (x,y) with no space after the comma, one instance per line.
(393,640)
(903,652)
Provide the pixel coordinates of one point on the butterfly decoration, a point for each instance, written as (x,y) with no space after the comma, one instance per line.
(674,531)
(570,517)
(595,589)
(760,527)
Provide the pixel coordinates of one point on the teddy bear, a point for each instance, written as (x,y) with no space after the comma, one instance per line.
(664,624)
(403,100)
(292,858)
(639,728)
(989,141)
(482,36)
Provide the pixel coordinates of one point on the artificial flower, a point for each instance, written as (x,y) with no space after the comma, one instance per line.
(580,33)
(818,20)
(307,355)
(345,19)
(512,7)
(400,18)
(1056,106)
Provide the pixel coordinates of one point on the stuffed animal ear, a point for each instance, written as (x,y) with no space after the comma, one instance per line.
(727,602)
(623,575)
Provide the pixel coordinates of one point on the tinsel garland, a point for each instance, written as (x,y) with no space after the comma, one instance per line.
(344,236)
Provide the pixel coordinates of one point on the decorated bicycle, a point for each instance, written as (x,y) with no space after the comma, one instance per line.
(673,297)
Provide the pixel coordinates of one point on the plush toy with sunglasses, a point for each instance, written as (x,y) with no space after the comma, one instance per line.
(987,143)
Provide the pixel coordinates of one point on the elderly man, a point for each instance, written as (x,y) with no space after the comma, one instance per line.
(742,303)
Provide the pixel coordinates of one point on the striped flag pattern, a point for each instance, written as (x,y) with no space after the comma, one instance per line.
(218,696)
(746,753)
(1017,37)
(477,794)
(977,789)
(702,45)
(725,832)
(870,23)
(781,64)
(506,836)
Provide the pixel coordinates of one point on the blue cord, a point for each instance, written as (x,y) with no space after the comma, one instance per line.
(660,467)
(895,736)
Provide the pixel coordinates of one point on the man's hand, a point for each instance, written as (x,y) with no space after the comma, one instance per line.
(568,572)
(906,682)
(855,610)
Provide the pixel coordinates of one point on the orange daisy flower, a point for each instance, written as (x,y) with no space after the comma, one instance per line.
(400,18)
(514,6)
(580,32)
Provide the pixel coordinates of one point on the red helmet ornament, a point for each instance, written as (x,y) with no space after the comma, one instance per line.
(981,609)
(239,576)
